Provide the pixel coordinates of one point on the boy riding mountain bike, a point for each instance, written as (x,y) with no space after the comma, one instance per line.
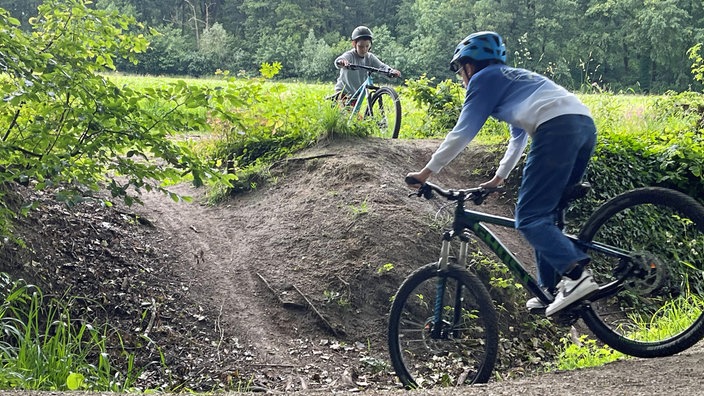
(563,140)
(350,79)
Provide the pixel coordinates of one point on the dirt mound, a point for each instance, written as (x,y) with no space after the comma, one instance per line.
(286,288)
(301,271)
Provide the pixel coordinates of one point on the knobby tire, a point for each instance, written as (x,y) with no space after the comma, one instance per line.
(385,109)
(466,351)
(658,311)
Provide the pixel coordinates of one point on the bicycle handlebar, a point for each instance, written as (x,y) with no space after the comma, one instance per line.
(475,194)
(372,69)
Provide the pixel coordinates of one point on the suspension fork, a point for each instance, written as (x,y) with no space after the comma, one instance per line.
(441,285)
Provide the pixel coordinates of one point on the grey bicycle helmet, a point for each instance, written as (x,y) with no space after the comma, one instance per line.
(478,47)
(362,32)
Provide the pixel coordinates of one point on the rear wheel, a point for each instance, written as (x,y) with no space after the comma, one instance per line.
(462,348)
(657,308)
(385,110)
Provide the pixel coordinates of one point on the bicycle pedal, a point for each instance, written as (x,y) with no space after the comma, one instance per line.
(569,315)
(537,311)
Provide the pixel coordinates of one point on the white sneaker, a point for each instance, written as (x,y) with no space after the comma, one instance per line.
(571,291)
(535,304)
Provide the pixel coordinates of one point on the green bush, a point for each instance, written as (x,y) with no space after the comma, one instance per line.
(443,102)
(665,149)
(585,352)
(273,121)
(317,64)
(67,126)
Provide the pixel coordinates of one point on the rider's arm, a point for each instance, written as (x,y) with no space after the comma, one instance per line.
(421,176)
(479,103)
(343,60)
(516,145)
(394,72)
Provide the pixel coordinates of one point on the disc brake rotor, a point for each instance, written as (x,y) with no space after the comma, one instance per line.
(648,275)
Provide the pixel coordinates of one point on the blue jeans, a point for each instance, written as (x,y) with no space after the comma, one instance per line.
(558,158)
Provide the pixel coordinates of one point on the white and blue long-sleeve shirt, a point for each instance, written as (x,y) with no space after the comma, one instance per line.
(521,98)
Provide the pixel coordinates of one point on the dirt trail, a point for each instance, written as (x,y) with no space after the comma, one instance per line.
(222,258)
(315,239)
(288,234)
(285,289)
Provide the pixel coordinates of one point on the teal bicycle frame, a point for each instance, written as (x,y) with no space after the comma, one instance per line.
(362,94)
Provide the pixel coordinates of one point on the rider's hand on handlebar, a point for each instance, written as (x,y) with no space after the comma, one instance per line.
(394,73)
(494,183)
(416,179)
(343,63)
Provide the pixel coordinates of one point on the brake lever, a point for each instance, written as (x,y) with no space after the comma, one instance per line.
(479,197)
(423,191)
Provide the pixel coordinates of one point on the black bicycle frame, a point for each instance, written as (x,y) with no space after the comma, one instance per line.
(466,219)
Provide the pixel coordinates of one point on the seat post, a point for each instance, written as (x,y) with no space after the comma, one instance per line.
(571,193)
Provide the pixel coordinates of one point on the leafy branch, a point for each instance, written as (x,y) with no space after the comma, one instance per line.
(67,126)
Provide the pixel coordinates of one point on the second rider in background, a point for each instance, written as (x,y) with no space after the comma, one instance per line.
(350,80)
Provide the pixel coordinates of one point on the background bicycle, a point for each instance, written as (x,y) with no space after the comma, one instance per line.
(647,249)
(379,103)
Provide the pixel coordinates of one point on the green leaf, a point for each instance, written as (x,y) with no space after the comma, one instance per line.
(74,381)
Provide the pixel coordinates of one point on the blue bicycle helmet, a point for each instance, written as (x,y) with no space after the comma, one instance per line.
(478,47)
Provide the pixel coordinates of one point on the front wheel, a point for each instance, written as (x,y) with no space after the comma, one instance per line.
(457,348)
(385,110)
(657,299)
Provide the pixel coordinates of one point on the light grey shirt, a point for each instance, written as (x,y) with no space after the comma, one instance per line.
(350,80)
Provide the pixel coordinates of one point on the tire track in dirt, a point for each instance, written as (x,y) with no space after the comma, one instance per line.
(216,254)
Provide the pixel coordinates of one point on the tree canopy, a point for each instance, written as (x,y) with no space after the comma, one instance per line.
(638,45)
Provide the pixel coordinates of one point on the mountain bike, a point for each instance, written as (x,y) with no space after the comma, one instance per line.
(381,104)
(647,251)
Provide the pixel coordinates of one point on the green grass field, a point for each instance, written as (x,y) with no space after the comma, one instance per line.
(622,112)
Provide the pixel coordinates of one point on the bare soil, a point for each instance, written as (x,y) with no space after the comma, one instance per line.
(285,288)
